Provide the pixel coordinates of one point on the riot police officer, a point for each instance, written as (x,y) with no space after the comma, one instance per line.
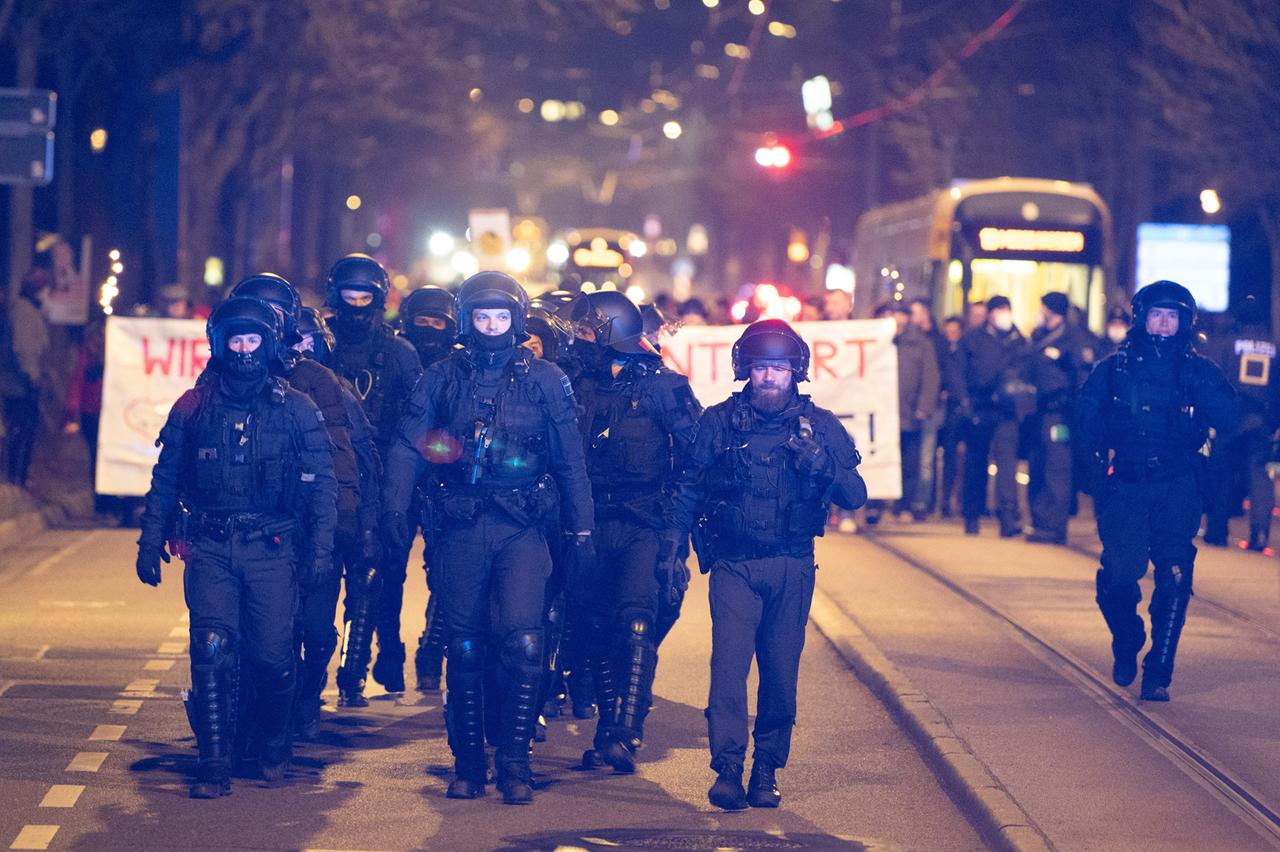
(1248,357)
(765,467)
(984,382)
(383,369)
(245,478)
(428,320)
(638,419)
(497,431)
(1059,351)
(1144,415)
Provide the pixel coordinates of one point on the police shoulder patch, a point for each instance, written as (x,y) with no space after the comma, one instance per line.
(320,415)
(308,477)
(568,387)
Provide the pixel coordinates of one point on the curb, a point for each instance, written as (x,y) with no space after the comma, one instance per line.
(995,813)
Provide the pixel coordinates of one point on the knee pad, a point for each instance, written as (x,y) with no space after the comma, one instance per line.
(212,647)
(522,648)
(637,627)
(1124,594)
(466,653)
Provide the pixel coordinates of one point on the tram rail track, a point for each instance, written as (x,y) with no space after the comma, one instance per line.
(1251,806)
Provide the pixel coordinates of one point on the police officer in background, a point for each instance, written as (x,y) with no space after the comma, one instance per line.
(984,380)
(497,430)
(1115,333)
(1145,414)
(383,368)
(1248,357)
(765,467)
(428,320)
(638,420)
(1059,351)
(245,478)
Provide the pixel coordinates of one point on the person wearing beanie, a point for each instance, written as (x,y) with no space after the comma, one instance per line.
(985,380)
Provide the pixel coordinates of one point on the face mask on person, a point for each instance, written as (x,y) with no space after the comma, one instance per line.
(1116,333)
(1002,321)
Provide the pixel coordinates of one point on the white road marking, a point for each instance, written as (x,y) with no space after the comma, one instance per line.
(185,618)
(34,837)
(5,685)
(62,796)
(58,555)
(179,633)
(87,761)
(125,708)
(44,649)
(85,604)
(108,732)
(172,648)
(142,684)
(158,665)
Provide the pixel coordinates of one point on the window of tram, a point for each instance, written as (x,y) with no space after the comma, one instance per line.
(1025,281)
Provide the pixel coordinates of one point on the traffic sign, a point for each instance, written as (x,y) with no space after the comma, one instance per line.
(23,111)
(27,160)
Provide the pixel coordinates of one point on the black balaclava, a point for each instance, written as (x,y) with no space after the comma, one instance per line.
(353,324)
(493,342)
(430,342)
(243,374)
(593,357)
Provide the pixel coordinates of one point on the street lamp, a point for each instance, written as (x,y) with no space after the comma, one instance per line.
(1210,203)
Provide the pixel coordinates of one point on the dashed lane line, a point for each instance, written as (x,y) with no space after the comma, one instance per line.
(62,796)
(142,685)
(158,665)
(34,837)
(178,633)
(172,648)
(125,707)
(87,761)
(108,732)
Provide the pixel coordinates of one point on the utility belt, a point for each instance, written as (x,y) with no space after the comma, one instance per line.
(223,526)
(1153,468)
(533,504)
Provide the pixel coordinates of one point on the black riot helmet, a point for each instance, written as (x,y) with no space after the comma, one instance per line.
(492,290)
(311,324)
(243,315)
(357,272)
(1165,294)
(554,333)
(614,321)
(271,288)
(770,340)
(430,301)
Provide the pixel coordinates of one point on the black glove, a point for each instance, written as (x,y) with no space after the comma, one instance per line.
(811,457)
(580,559)
(148,565)
(321,568)
(672,571)
(395,531)
(1097,482)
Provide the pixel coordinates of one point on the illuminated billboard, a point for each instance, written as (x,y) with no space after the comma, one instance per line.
(1196,256)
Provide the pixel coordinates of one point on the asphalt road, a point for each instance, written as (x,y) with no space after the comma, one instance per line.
(95,751)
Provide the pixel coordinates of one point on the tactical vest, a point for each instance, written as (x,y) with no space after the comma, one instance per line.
(628,449)
(496,433)
(242,459)
(372,372)
(761,502)
(1148,419)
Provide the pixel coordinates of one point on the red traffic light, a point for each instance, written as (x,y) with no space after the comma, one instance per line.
(773,156)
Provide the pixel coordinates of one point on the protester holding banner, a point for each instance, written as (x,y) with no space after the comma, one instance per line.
(765,467)
(244,478)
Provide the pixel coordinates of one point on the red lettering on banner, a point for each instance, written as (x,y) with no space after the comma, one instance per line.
(861,343)
(822,352)
(185,357)
(715,364)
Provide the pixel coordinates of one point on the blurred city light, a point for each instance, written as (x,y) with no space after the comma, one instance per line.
(781,30)
(737,51)
(797,246)
(353,202)
(672,130)
(635,293)
(756,7)
(114,254)
(637,248)
(707,72)
(374,240)
(773,156)
(697,242)
(440,243)
(558,253)
(552,111)
(464,263)
(476,95)
(518,259)
(840,277)
(609,118)
(525,105)
(1209,201)
(213,272)
(98,140)
(711,4)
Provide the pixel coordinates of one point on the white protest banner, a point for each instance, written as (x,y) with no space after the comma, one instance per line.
(149,363)
(853,372)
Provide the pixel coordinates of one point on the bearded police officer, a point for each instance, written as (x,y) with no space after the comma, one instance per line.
(638,422)
(1144,415)
(496,430)
(765,467)
(383,369)
(245,477)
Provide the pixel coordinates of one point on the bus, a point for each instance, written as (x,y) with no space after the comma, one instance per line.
(1006,236)
(601,255)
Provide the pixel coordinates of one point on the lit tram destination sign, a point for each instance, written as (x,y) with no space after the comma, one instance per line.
(602,258)
(1016,239)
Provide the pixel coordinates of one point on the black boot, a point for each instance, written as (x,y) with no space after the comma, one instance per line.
(971,526)
(209,715)
(357,636)
(727,793)
(429,660)
(636,694)
(465,717)
(762,789)
(388,670)
(1119,607)
(602,677)
(1258,538)
(522,665)
(274,691)
(1168,614)
(314,673)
